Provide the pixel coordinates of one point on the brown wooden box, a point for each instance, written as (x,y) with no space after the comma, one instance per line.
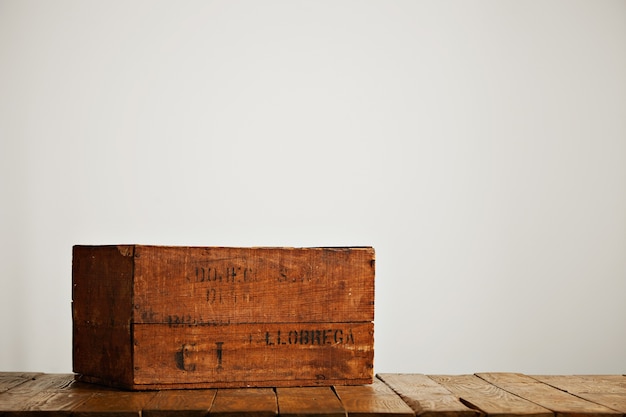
(156,317)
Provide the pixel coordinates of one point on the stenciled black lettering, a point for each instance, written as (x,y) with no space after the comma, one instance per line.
(182,357)
(350,337)
(231,274)
(218,346)
(310,337)
(317,337)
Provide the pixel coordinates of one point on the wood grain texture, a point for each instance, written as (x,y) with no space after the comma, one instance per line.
(102,289)
(51,403)
(157,317)
(376,399)
(114,404)
(318,401)
(560,402)
(240,355)
(39,394)
(251,402)
(180,403)
(9,380)
(434,395)
(426,397)
(579,384)
(41,382)
(253,285)
(488,398)
(607,390)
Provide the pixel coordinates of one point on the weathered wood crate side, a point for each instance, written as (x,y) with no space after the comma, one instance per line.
(182,285)
(255,355)
(102,312)
(223,317)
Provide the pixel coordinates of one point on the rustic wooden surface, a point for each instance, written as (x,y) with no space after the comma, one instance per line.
(560,402)
(426,397)
(479,395)
(158,317)
(376,399)
(608,390)
(254,402)
(320,401)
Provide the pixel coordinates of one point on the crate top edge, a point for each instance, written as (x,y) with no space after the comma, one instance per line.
(338,248)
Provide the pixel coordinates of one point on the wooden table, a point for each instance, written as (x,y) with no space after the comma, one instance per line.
(477,395)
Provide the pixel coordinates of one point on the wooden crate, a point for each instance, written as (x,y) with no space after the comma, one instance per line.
(157,317)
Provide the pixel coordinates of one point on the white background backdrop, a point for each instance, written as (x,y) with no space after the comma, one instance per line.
(479,146)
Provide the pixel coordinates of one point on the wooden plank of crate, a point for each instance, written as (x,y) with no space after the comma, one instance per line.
(283,354)
(318,401)
(607,390)
(488,398)
(562,403)
(376,399)
(180,403)
(114,404)
(252,402)
(9,380)
(426,397)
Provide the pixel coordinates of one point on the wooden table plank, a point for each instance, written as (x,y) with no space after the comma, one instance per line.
(62,397)
(491,394)
(585,383)
(53,394)
(488,398)
(253,402)
(607,390)
(180,403)
(9,380)
(52,403)
(317,401)
(376,399)
(562,403)
(33,393)
(426,397)
(114,404)
(44,382)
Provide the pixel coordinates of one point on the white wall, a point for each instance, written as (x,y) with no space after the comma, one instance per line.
(480,146)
